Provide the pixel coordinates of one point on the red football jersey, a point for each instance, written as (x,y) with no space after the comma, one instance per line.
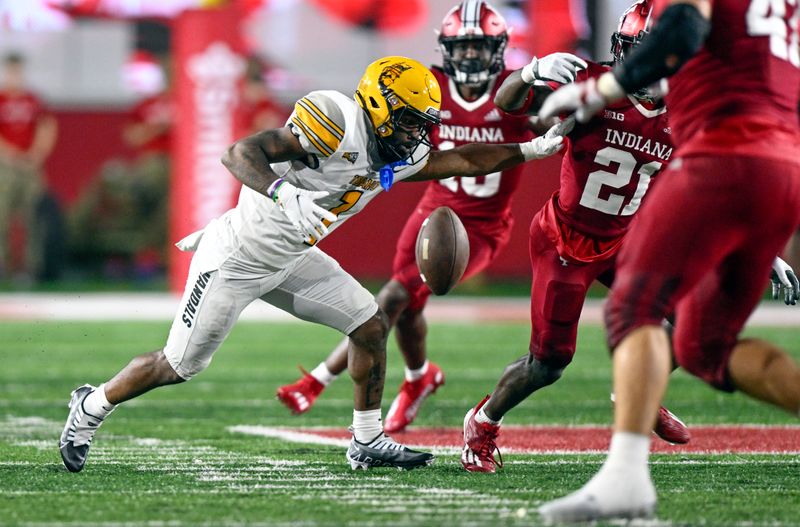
(156,110)
(479,121)
(741,90)
(609,164)
(18,117)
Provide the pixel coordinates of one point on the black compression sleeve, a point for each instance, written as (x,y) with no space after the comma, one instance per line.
(677,36)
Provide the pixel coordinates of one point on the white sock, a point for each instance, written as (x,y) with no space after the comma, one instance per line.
(481,417)
(628,449)
(96,403)
(414,375)
(367,425)
(323,374)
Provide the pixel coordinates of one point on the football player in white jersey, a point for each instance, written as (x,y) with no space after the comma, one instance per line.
(300,182)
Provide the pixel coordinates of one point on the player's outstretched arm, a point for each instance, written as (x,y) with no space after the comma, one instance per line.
(477,159)
(248,159)
(533,81)
(679,33)
(513,92)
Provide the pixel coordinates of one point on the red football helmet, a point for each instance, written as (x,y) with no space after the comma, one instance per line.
(634,24)
(478,22)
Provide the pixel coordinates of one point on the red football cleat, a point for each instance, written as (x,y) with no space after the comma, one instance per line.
(480,444)
(670,428)
(299,396)
(412,394)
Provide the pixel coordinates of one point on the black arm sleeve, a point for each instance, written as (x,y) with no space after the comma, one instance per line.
(678,35)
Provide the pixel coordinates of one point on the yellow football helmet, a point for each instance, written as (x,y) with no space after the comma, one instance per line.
(402,99)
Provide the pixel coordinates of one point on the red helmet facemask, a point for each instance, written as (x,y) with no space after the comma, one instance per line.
(478,25)
(634,25)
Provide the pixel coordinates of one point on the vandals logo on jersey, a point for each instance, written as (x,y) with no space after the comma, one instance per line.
(350,156)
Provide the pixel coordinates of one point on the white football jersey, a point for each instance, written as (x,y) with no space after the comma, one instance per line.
(343,159)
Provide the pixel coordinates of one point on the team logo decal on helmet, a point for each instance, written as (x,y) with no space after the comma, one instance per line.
(481,24)
(402,99)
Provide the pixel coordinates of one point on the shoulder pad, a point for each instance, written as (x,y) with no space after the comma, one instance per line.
(319,122)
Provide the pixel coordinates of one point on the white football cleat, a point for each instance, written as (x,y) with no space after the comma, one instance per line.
(383,451)
(611,493)
(78,431)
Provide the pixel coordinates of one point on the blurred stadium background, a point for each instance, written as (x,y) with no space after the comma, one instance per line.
(93,62)
(114,205)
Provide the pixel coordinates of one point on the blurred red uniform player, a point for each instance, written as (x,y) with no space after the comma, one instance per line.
(609,165)
(149,132)
(704,242)
(260,109)
(28,133)
(473,38)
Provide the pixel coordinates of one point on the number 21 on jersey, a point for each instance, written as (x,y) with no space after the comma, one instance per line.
(626,166)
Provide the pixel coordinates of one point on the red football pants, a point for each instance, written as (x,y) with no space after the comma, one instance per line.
(703,245)
(558,290)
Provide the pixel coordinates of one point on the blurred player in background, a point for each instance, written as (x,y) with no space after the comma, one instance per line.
(704,243)
(472,39)
(28,134)
(260,108)
(120,221)
(335,154)
(608,167)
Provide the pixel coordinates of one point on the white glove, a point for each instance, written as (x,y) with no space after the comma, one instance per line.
(584,98)
(298,205)
(556,67)
(549,143)
(783,277)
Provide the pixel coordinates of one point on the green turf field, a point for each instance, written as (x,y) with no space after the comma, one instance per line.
(168,458)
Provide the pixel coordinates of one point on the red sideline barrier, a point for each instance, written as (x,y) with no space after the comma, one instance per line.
(211,66)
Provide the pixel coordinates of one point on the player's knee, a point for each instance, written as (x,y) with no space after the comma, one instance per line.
(707,361)
(372,334)
(393,298)
(618,321)
(546,372)
(157,366)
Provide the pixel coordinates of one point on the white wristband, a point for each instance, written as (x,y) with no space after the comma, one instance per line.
(528,73)
(529,151)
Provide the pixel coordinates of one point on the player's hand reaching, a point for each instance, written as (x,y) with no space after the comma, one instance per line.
(549,143)
(556,67)
(784,278)
(584,98)
(298,205)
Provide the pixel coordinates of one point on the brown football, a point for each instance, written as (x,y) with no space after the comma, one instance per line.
(442,250)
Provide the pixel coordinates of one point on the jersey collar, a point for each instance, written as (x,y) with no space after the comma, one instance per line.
(470,105)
